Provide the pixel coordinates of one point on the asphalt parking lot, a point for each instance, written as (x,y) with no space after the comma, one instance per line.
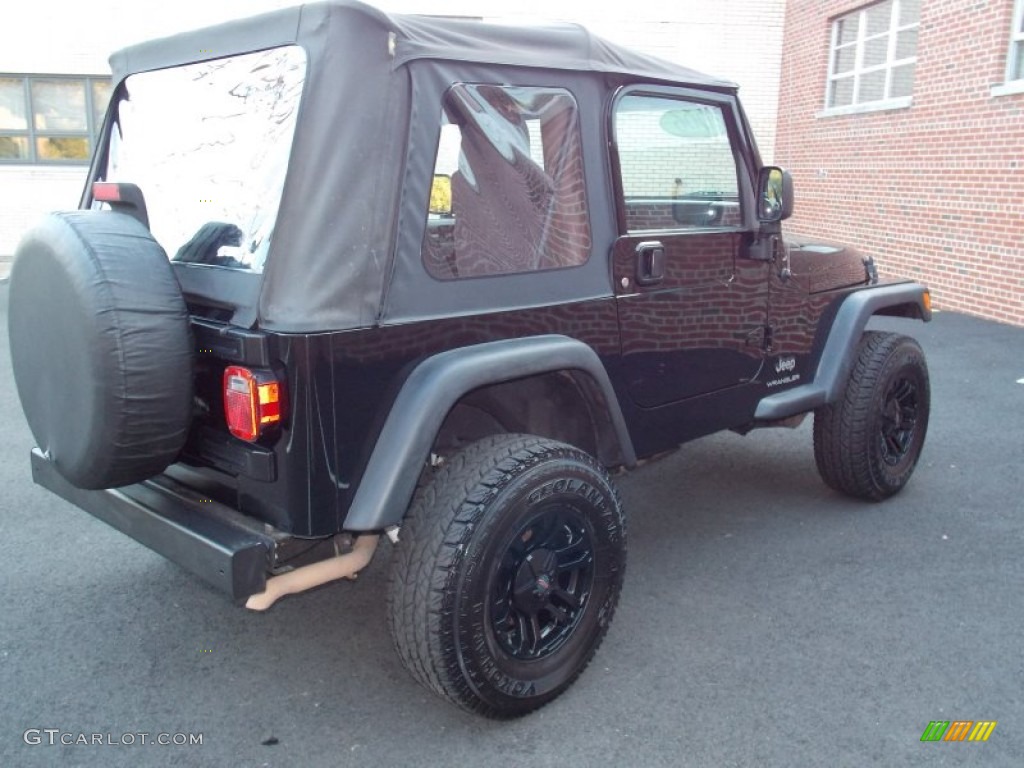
(765,621)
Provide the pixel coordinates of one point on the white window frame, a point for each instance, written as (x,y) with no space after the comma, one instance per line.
(859,70)
(1013,84)
(31,133)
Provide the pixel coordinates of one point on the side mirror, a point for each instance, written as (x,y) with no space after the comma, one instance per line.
(441,195)
(774,194)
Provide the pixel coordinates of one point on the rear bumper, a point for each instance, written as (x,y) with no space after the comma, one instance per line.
(226,549)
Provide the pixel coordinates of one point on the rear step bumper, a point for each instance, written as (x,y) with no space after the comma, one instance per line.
(213,541)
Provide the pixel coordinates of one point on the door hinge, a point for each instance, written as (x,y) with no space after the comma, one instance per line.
(768,333)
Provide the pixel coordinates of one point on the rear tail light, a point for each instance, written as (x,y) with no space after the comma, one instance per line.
(252,401)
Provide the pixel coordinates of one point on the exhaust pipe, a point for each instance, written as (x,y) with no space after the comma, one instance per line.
(341,567)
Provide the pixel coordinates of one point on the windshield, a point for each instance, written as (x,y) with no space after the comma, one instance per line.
(208,145)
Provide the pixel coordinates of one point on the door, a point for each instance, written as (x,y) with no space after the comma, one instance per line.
(692,308)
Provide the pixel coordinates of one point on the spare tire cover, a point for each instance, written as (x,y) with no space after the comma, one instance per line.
(101,347)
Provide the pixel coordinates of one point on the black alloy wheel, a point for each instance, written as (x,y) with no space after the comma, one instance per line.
(542,583)
(899,420)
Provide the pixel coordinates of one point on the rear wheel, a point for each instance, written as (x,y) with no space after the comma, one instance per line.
(507,574)
(868,442)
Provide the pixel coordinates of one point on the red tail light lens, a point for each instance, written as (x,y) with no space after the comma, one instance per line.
(252,401)
(106,191)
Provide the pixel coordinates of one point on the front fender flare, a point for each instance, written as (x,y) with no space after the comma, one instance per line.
(437,384)
(836,360)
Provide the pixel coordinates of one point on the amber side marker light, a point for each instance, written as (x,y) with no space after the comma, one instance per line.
(252,401)
(928,301)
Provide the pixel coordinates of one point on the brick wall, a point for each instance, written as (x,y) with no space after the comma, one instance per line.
(934,191)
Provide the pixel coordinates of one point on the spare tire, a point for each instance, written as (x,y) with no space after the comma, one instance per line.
(101,347)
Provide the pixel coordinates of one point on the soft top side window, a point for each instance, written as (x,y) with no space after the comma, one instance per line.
(508,194)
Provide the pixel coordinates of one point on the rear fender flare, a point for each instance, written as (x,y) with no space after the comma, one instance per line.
(439,382)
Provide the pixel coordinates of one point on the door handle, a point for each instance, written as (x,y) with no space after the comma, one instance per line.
(650,262)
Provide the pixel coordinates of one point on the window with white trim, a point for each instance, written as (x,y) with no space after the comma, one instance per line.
(872,56)
(1015,65)
(50,118)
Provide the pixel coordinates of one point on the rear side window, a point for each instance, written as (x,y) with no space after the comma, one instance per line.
(508,194)
(208,145)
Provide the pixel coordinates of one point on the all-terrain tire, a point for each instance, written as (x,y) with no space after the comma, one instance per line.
(101,348)
(507,573)
(867,444)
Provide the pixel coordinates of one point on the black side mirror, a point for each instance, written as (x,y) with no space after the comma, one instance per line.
(774,194)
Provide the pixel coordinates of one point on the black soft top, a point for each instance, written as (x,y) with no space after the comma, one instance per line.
(552,46)
(334,243)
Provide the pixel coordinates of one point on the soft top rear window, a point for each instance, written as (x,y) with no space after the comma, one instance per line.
(208,144)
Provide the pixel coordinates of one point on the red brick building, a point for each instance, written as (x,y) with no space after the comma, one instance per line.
(903,124)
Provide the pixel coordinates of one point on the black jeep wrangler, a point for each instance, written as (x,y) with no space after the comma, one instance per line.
(338,275)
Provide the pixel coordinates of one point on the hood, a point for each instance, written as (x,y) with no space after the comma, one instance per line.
(818,265)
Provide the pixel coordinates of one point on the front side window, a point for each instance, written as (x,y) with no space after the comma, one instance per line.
(873,55)
(676,164)
(208,144)
(508,194)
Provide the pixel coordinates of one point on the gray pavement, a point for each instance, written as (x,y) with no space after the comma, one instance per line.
(765,621)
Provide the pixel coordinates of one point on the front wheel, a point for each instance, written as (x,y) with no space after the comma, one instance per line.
(867,443)
(507,574)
